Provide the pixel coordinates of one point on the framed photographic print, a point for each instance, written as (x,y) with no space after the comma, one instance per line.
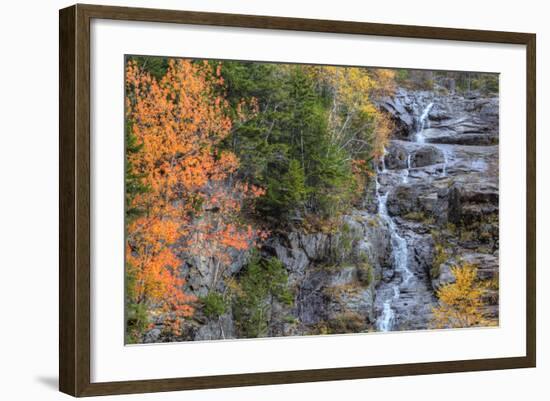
(250,200)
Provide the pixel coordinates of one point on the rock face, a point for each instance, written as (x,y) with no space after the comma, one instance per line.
(335,274)
(453,119)
(434,205)
(438,184)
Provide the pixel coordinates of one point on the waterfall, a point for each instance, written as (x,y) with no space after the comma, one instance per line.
(423,123)
(400,255)
(407,170)
(390,292)
(387,318)
(399,244)
(445,162)
(419,137)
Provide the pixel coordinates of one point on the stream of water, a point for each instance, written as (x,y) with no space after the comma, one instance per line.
(400,251)
(422,120)
(400,254)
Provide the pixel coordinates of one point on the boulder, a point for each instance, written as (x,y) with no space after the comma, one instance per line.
(427,155)
(403,154)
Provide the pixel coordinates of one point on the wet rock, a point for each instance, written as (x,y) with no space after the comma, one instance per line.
(403,154)
(397,155)
(446,171)
(424,201)
(387,274)
(465,120)
(436,135)
(439,115)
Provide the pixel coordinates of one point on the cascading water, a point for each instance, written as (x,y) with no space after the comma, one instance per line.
(385,323)
(419,137)
(400,252)
(400,256)
(406,172)
(423,123)
(445,162)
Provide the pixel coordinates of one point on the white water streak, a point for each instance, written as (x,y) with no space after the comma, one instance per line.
(422,123)
(400,255)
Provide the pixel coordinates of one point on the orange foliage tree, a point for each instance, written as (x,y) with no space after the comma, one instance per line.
(190,204)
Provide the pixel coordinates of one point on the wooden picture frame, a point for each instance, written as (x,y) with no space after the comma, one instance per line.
(74,200)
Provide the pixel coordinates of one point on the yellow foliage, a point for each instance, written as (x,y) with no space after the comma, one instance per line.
(353,113)
(460,303)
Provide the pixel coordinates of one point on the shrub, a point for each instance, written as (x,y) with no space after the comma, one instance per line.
(365,273)
(460,303)
(441,254)
(440,257)
(420,217)
(137,322)
(214,305)
(347,239)
(262,281)
(346,322)
(137,317)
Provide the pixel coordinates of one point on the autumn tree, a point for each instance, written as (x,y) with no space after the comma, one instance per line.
(460,303)
(356,125)
(179,185)
(323,118)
